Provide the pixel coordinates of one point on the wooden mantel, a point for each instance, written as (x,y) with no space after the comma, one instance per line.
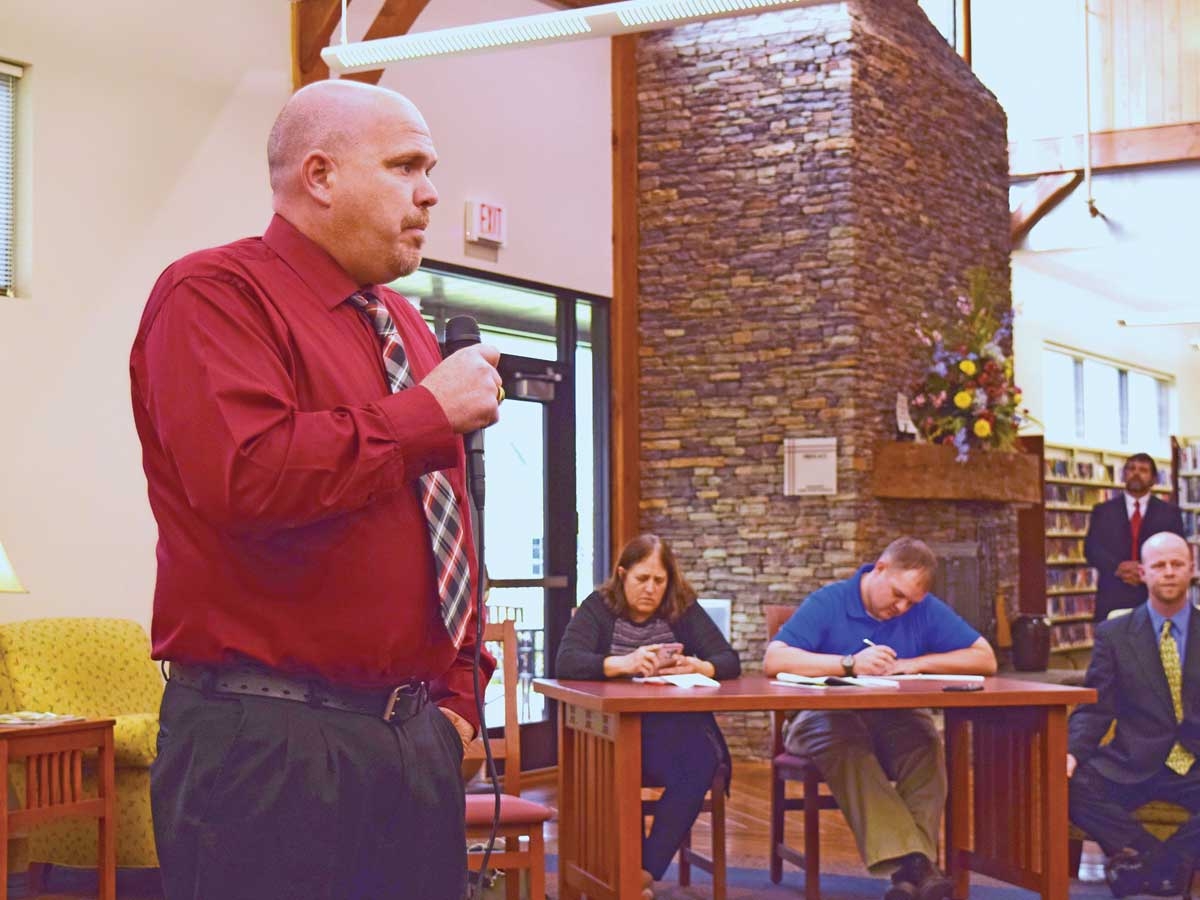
(912,471)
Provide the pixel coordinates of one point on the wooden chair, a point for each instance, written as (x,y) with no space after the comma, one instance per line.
(787,767)
(519,818)
(714,865)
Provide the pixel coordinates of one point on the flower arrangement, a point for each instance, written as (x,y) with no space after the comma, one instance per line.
(967,397)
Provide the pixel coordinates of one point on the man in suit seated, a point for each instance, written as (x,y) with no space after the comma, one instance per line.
(882,621)
(1116,531)
(1146,670)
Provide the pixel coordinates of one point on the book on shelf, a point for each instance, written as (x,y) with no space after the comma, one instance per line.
(29,717)
(824,681)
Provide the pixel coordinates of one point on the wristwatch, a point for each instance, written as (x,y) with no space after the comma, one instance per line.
(848,664)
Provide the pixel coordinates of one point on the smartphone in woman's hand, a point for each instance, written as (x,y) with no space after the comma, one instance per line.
(667,654)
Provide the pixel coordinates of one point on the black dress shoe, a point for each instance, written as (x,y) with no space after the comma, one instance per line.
(1168,876)
(918,878)
(1126,874)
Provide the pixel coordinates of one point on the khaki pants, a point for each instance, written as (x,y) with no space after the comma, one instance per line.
(860,755)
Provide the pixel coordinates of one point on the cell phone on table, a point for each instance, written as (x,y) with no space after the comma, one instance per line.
(667,654)
(963,686)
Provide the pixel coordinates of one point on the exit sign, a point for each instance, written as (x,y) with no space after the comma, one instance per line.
(487,223)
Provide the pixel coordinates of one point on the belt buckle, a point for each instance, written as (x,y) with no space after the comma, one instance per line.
(397,692)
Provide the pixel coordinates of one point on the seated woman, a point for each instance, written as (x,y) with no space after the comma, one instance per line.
(624,628)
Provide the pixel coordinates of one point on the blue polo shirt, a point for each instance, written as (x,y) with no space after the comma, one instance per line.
(833,620)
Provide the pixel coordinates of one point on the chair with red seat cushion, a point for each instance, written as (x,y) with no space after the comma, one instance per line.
(519,818)
(787,767)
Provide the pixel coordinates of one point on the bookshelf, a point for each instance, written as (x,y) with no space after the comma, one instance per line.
(1185,464)
(1074,480)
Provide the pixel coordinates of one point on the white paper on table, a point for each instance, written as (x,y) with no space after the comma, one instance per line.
(687,679)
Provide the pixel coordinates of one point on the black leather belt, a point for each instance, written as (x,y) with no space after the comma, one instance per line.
(395,704)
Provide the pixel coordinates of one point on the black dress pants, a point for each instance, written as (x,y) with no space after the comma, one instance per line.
(1104,809)
(262,799)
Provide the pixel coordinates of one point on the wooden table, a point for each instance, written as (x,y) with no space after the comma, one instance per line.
(1009,821)
(53,757)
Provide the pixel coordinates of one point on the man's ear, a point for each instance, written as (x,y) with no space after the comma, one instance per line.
(318,176)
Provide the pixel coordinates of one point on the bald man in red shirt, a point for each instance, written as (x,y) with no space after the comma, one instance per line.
(321,677)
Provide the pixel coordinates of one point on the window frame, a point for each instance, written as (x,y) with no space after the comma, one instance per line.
(10,76)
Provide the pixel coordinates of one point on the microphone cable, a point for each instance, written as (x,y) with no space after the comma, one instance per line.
(463,331)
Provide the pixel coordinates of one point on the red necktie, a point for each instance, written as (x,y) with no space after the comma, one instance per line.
(446,531)
(1135,528)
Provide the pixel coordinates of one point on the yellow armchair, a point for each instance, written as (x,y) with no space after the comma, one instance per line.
(97,668)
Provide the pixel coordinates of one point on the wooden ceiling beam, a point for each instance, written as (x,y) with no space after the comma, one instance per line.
(395,18)
(313,24)
(1121,149)
(1047,193)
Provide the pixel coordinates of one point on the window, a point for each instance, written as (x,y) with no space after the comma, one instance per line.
(1106,405)
(8,146)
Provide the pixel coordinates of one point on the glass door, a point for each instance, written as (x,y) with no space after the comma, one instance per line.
(546,496)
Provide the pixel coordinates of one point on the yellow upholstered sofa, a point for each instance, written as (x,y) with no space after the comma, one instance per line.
(99,668)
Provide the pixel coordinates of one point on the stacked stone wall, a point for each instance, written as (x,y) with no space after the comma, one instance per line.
(813,183)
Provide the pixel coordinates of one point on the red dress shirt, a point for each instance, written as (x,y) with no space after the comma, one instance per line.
(283,475)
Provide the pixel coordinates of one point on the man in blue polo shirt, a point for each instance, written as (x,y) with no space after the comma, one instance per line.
(882,621)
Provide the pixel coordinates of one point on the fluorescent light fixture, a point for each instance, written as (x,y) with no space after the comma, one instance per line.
(605,20)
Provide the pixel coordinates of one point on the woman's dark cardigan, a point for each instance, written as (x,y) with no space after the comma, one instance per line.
(588,640)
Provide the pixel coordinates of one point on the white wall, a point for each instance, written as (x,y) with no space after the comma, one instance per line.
(149,123)
(530,128)
(1075,276)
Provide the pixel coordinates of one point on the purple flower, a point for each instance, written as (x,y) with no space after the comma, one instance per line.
(939,369)
(960,444)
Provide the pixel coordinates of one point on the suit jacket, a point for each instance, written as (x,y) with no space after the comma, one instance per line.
(1127,673)
(1108,543)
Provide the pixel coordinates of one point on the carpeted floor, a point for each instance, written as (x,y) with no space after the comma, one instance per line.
(744,884)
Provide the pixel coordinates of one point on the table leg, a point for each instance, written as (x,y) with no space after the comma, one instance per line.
(1053,807)
(568,852)
(627,787)
(107,873)
(958,771)
(599,807)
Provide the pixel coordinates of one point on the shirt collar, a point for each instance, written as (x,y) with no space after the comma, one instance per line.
(857,610)
(1180,620)
(1130,500)
(312,263)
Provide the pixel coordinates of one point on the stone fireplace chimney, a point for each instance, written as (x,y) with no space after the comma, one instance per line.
(813,184)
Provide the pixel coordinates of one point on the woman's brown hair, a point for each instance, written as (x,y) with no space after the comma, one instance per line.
(678,596)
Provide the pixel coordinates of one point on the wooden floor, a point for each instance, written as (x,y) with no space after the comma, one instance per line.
(747,826)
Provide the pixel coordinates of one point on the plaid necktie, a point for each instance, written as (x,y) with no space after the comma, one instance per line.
(1180,759)
(447,533)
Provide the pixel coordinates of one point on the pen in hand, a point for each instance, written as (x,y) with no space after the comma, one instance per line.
(868,642)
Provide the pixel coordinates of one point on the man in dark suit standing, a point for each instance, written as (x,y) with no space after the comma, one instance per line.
(1146,671)
(1118,528)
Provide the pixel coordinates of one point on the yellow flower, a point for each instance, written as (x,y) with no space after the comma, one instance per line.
(963,399)
(967,367)
(983,428)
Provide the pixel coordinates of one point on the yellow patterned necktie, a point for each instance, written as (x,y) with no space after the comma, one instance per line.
(1180,759)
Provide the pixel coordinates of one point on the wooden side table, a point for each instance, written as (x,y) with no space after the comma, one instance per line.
(53,757)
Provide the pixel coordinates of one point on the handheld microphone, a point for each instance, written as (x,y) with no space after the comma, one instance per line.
(463,331)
